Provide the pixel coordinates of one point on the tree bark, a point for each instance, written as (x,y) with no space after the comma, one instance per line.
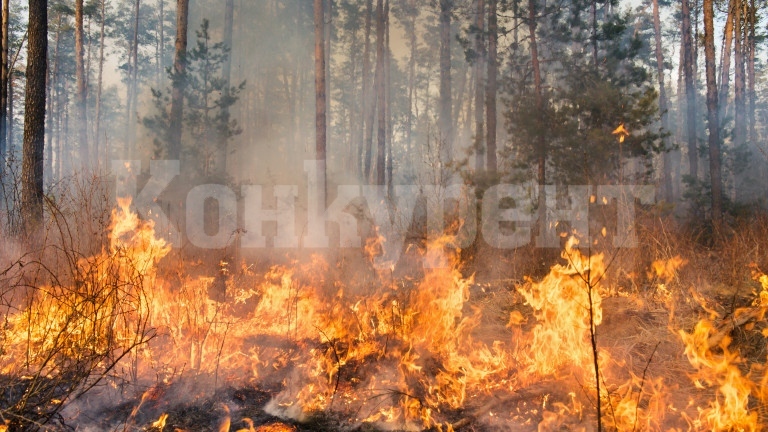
(667,169)
(99,85)
(739,79)
(539,100)
(490,97)
(712,117)
(226,73)
(161,37)
(179,80)
(81,103)
(327,31)
(320,125)
(445,115)
(368,99)
(4,84)
(725,60)
(131,90)
(53,79)
(751,18)
(388,100)
(739,99)
(479,87)
(381,134)
(34,120)
(411,33)
(690,92)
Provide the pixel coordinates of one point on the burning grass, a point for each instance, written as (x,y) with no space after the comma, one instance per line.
(122,342)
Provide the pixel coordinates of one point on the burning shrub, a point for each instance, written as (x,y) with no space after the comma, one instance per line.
(67,329)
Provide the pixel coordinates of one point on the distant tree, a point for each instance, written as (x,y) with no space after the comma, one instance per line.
(34,119)
(491,86)
(690,91)
(666,161)
(479,85)
(81,103)
(321,128)
(178,80)
(713,125)
(380,94)
(446,100)
(208,100)
(4,74)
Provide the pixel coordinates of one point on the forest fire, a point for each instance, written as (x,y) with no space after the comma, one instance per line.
(403,354)
(383,215)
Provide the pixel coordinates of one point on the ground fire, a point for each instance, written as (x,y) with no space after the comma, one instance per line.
(383,215)
(292,347)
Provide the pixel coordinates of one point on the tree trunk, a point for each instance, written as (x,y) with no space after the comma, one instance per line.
(34,120)
(712,117)
(751,18)
(161,80)
(739,99)
(368,99)
(690,92)
(81,94)
(667,169)
(411,33)
(222,151)
(725,59)
(4,84)
(479,87)
(320,125)
(490,96)
(327,30)
(388,100)
(446,126)
(53,80)
(381,134)
(541,144)
(179,80)
(739,79)
(100,84)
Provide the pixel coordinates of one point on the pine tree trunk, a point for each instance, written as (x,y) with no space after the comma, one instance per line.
(490,96)
(161,37)
(712,117)
(53,79)
(667,169)
(739,79)
(739,100)
(479,87)
(179,80)
(388,99)
(222,150)
(751,18)
(368,97)
(725,60)
(327,30)
(411,33)
(320,119)
(4,84)
(541,141)
(690,92)
(445,114)
(381,135)
(99,85)
(34,120)
(81,94)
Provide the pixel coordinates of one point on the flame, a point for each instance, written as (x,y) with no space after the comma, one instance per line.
(396,352)
(160,423)
(666,270)
(621,132)
(561,305)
